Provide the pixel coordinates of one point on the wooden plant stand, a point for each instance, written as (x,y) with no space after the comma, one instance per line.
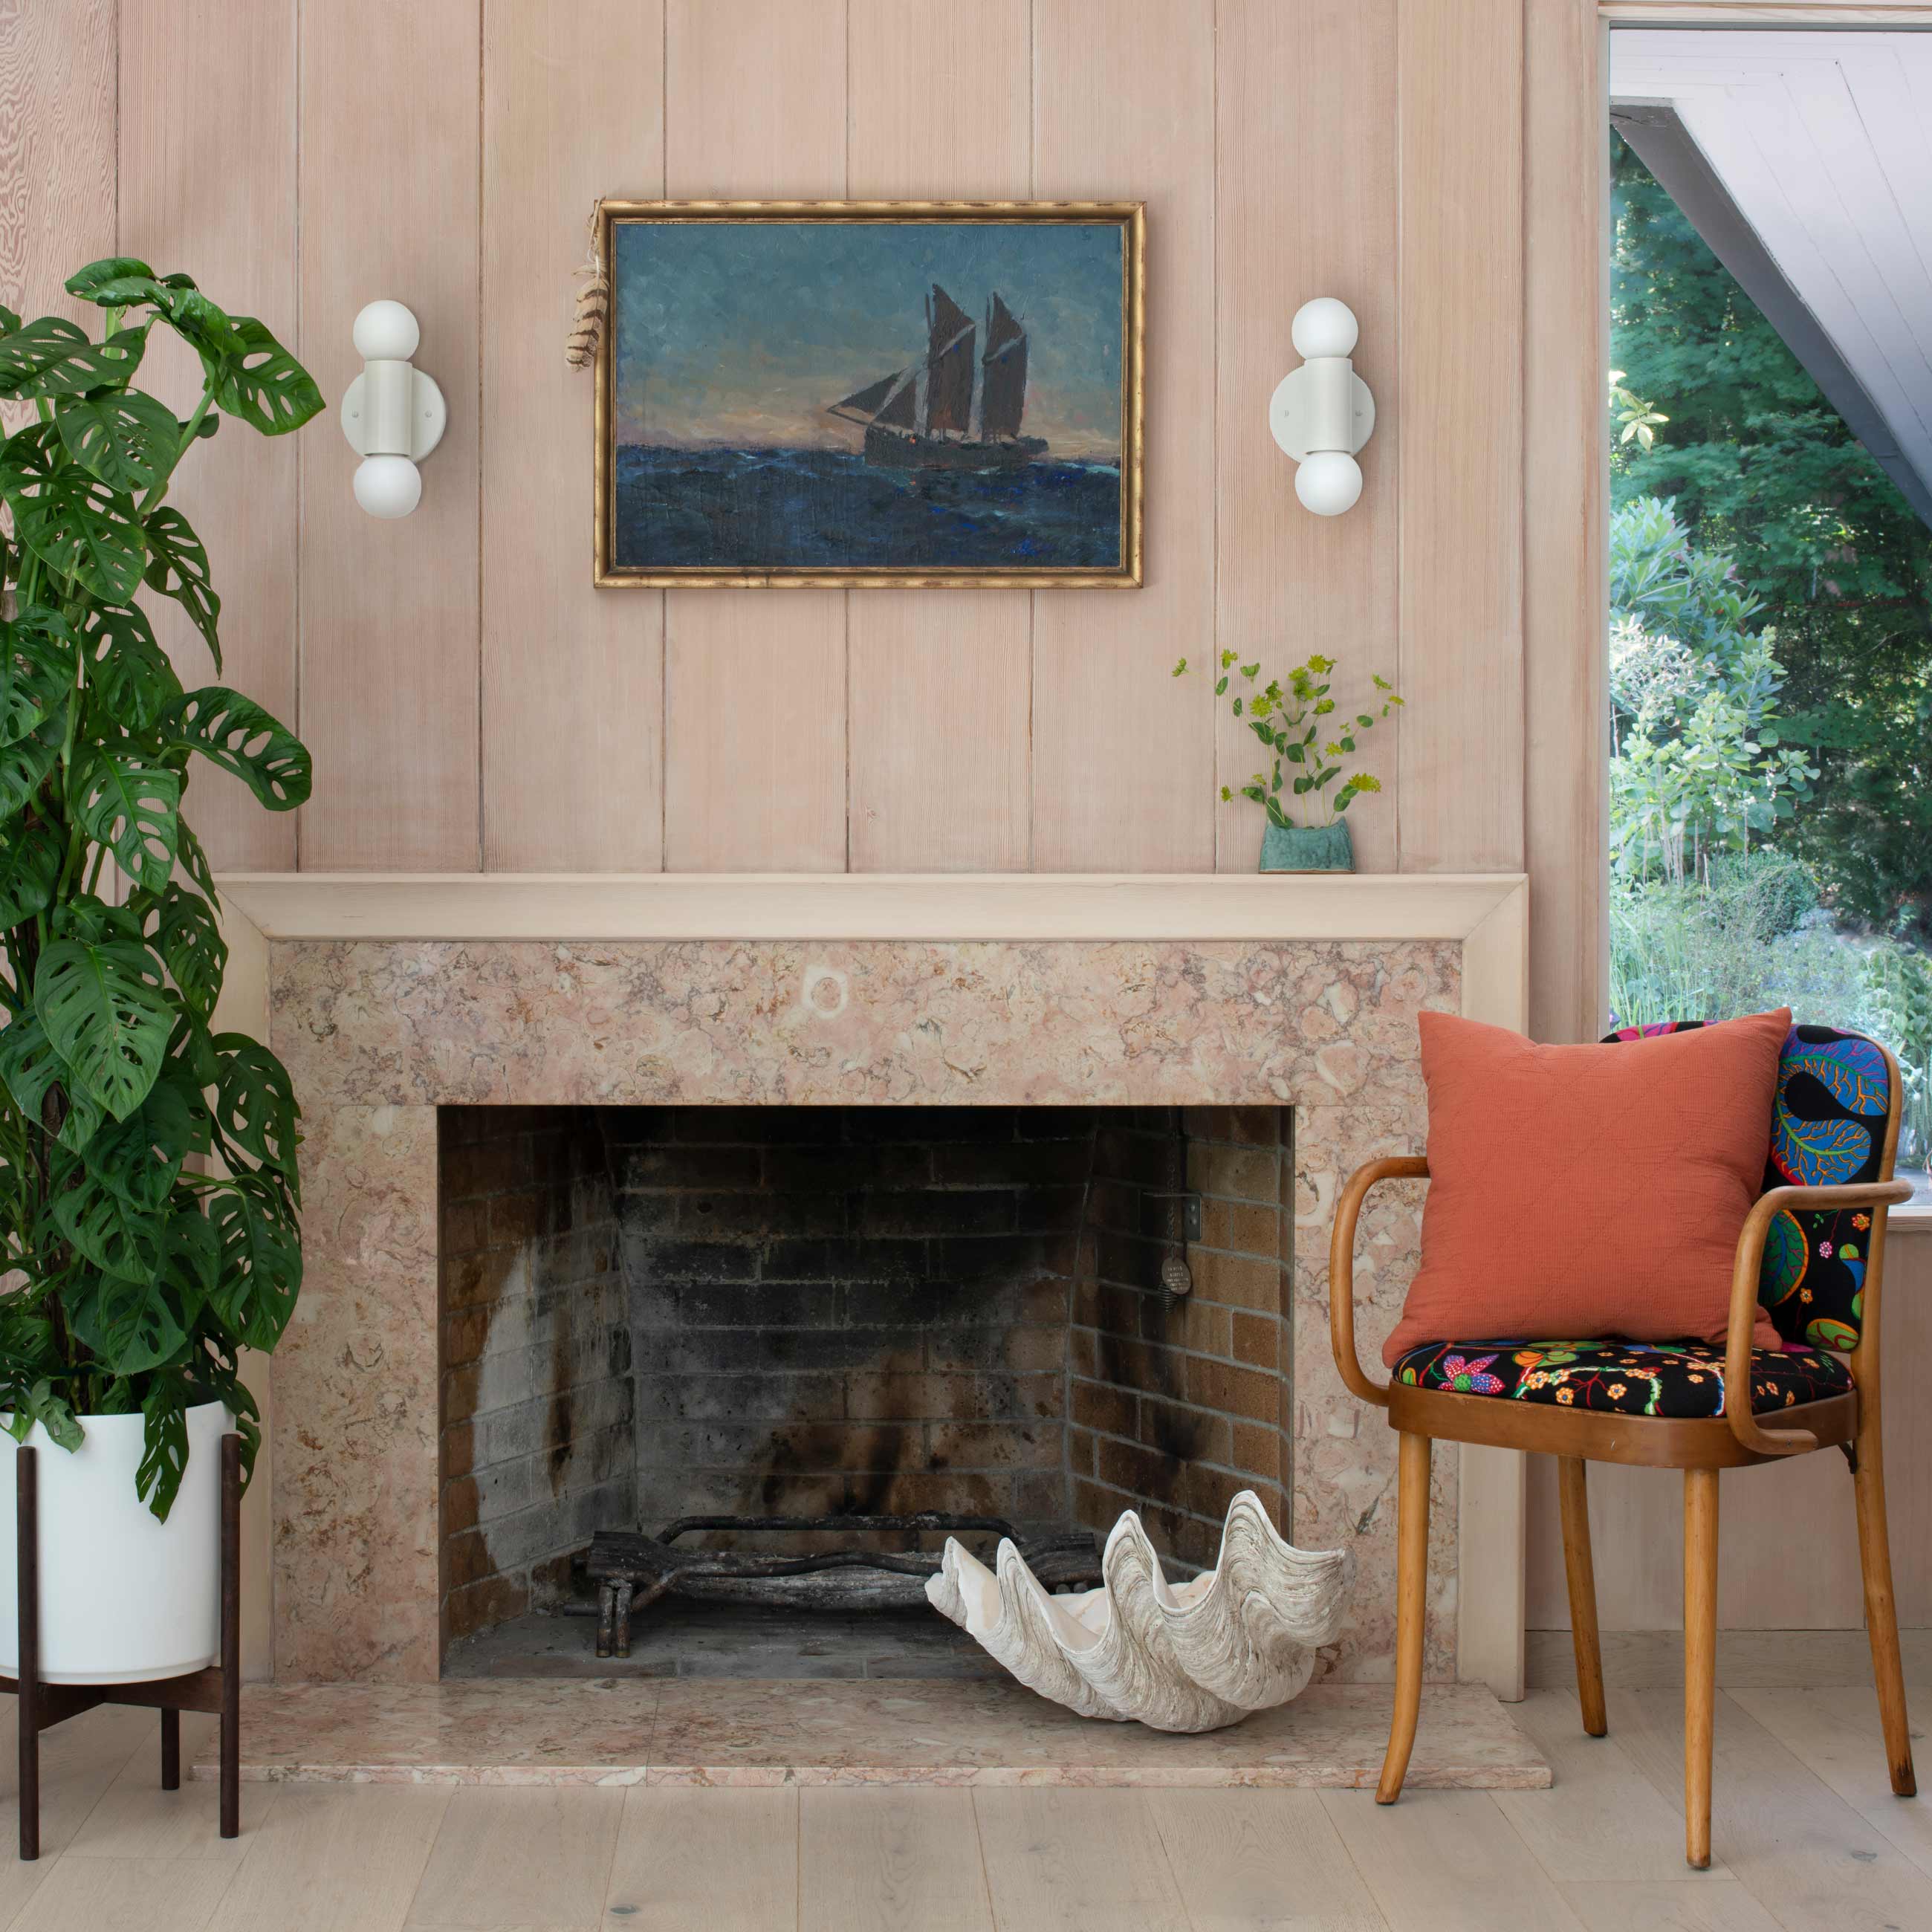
(217,1688)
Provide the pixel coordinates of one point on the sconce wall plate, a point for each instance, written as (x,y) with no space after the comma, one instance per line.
(393,409)
(1303,415)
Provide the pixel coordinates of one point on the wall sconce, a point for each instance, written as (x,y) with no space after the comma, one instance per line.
(1322,413)
(392,414)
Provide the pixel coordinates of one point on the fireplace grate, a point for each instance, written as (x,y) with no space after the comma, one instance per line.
(631,1570)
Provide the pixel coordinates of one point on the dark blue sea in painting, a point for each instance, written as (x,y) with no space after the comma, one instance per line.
(821,509)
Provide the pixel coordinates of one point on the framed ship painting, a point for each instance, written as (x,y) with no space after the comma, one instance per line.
(858,393)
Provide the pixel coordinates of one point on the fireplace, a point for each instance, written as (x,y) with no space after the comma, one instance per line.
(397,1002)
(1041,1314)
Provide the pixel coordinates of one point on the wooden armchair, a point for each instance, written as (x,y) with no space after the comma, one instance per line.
(1813,1251)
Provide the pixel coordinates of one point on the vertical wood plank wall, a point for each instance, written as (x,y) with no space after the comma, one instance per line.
(756,747)
(955,797)
(1297,86)
(1123,754)
(208,176)
(471,702)
(388,133)
(59,172)
(570,786)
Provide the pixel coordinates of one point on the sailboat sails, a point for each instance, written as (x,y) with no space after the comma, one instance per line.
(889,400)
(1003,386)
(954,409)
(949,364)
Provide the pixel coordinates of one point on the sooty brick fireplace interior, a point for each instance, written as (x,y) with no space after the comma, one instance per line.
(648,1312)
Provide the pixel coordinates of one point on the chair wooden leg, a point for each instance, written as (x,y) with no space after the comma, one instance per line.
(1411,1596)
(1700,1656)
(1572,1490)
(1881,1611)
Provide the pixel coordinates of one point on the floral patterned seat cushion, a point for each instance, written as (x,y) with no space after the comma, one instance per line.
(1680,1379)
(1827,1128)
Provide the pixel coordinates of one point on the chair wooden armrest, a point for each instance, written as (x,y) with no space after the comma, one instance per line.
(1877,1195)
(1342,1268)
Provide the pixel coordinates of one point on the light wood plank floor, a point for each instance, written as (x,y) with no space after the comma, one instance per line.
(1806,1836)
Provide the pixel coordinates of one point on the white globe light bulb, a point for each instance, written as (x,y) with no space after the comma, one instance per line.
(1325,327)
(385,331)
(1329,482)
(389,486)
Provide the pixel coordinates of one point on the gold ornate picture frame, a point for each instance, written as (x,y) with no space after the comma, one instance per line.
(860,393)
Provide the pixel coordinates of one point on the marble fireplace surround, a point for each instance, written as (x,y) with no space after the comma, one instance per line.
(389,996)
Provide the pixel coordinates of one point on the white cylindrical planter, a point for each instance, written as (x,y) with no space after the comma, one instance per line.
(123,1597)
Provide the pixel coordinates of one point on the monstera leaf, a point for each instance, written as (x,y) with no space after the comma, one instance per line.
(27,459)
(30,866)
(87,917)
(54,357)
(106,1016)
(178,568)
(130,1323)
(190,1046)
(118,1238)
(194,862)
(36,671)
(131,803)
(236,733)
(212,1378)
(191,1258)
(157,1478)
(254,1105)
(139,1159)
(127,438)
(191,947)
(261,1262)
(128,671)
(30,1069)
(254,377)
(120,281)
(24,766)
(38,1402)
(85,532)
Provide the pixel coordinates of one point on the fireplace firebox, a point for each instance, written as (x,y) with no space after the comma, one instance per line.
(1043,1315)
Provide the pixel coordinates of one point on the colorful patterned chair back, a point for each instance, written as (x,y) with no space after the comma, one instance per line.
(1830,1127)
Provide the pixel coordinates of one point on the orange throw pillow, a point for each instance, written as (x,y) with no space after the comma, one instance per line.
(1577,1191)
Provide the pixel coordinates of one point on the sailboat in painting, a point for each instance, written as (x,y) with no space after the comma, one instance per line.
(948,412)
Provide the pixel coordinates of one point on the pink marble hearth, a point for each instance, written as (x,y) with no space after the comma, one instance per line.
(696,1732)
(378,1034)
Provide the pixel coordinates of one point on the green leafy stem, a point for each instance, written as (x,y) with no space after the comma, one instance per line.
(1308,742)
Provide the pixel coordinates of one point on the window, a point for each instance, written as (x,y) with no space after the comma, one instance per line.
(1771,560)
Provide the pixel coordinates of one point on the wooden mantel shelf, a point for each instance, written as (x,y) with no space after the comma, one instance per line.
(875,906)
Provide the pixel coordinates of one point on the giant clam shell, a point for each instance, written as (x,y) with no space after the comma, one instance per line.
(1192,1657)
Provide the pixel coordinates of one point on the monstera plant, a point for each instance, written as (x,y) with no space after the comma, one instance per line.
(149,1193)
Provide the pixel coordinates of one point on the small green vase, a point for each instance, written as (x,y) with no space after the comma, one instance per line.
(1307,848)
